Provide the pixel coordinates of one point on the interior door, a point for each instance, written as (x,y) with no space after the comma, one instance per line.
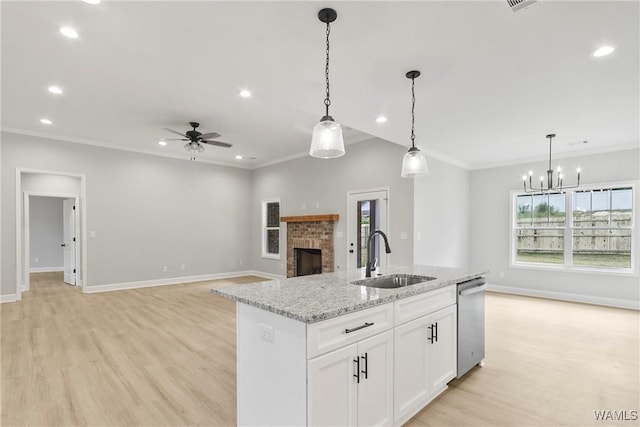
(69,240)
(366,211)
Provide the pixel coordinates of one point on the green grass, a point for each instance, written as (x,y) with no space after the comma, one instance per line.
(584,260)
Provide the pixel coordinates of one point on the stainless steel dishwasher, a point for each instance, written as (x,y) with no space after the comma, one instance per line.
(470,298)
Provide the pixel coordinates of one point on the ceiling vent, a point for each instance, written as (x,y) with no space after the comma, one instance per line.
(516,5)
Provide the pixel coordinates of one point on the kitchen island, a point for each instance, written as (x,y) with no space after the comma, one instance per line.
(319,350)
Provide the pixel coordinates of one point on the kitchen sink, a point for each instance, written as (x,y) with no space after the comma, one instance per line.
(393,281)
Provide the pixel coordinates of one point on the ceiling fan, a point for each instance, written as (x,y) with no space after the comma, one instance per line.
(195,139)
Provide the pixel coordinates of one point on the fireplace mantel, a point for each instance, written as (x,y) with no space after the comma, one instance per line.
(310,218)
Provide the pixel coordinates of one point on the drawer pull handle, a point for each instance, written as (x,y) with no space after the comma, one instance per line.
(366,325)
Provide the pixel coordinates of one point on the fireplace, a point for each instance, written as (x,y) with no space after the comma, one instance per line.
(314,235)
(308,261)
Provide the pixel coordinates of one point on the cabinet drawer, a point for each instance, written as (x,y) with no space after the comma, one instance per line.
(343,330)
(419,305)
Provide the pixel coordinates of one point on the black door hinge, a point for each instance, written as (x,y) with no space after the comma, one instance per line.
(74,208)
(74,239)
(74,270)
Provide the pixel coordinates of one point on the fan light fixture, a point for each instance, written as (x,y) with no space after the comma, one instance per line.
(327,141)
(550,188)
(414,163)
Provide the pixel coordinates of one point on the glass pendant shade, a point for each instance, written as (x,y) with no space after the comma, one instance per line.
(327,141)
(414,164)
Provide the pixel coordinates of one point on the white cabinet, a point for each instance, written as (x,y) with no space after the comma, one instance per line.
(424,360)
(353,385)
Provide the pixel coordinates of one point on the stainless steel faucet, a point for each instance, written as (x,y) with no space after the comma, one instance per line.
(387,249)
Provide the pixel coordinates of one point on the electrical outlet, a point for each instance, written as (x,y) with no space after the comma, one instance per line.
(165,269)
(240,262)
(92,233)
(403,235)
(502,274)
(183,267)
(37,259)
(317,205)
(266,332)
(339,234)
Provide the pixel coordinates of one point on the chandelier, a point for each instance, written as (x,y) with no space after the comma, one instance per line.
(549,187)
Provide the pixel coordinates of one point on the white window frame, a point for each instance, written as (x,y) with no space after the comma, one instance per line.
(264,229)
(568,234)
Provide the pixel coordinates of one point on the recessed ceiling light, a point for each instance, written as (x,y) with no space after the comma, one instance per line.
(163,143)
(603,51)
(55,89)
(381,119)
(92,1)
(238,157)
(46,122)
(245,93)
(69,32)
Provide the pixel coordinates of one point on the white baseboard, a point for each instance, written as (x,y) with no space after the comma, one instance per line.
(45,269)
(587,299)
(8,298)
(267,275)
(172,281)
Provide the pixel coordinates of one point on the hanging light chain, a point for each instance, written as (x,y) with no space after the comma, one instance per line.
(327,100)
(413,108)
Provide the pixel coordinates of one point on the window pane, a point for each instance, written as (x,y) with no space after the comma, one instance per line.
(621,207)
(273,241)
(557,210)
(273,214)
(540,210)
(540,246)
(600,208)
(523,211)
(582,209)
(610,248)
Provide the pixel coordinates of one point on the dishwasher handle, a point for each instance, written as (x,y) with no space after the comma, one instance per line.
(471,291)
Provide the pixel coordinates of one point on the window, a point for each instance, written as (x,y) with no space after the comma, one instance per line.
(271,228)
(581,228)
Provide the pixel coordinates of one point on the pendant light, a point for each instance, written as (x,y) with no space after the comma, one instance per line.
(327,141)
(550,188)
(414,163)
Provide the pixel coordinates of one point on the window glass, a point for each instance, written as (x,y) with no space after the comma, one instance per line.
(273,214)
(621,207)
(540,240)
(582,209)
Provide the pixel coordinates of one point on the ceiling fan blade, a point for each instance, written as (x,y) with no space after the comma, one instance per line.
(217,144)
(210,135)
(174,139)
(176,132)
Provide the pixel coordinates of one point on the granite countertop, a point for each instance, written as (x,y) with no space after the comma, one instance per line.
(317,297)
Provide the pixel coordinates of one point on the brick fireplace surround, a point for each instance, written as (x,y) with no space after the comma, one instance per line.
(310,232)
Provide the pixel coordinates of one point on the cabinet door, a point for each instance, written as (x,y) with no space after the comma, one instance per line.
(375,390)
(332,388)
(411,368)
(443,349)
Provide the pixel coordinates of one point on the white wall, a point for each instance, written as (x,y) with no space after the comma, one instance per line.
(441,216)
(146,211)
(324,183)
(45,233)
(490,231)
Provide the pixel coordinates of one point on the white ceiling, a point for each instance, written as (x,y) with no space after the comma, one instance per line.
(493,82)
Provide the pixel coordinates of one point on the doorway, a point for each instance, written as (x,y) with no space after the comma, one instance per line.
(366,212)
(61,185)
(51,235)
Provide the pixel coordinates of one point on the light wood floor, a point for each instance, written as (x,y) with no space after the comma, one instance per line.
(166,356)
